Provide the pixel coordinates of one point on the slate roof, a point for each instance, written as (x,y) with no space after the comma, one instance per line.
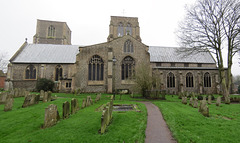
(46,53)
(172,54)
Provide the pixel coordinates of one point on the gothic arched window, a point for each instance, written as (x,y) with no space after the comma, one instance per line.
(30,72)
(207,80)
(189,80)
(120,29)
(170,80)
(128,46)
(51,31)
(128,68)
(129,29)
(95,68)
(58,72)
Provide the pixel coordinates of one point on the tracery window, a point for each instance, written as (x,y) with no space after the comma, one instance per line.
(128,46)
(95,68)
(120,29)
(129,29)
(128,68)
(189,80)
(51,31)
(170,80)
(30,72)
(207,80)
(58,72)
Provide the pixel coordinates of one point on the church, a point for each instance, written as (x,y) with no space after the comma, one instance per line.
(110,65)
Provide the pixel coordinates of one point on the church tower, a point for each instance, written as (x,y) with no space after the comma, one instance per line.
(120,26)
(52,32)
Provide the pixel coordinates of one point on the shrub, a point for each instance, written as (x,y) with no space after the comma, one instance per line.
(1,89)
(44,84)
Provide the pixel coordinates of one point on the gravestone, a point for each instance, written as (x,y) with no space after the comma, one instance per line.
(66,110)
(30,100)
(41,94)
(51,116)
(89,101)
(74,104)
(98,97)
(45,97)
(191,102)
(184,100)
(49,96)
(9,103)
(104,120)
(227,100)
(26,93)
(3,98)
(195,104)
(16,92)
(203,108)
(218,102)
(111,107)
(209,99)
(83,103)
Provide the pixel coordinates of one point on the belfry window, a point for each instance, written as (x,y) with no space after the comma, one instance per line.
(189,80)
(129,29)
(128,46)
(51,31)
(207,80)
(95,68)
(58,72)
(170,80)
(120,29)
(128,68)
(30,72)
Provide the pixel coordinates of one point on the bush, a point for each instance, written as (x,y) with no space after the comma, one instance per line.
(1,89)
(44,84)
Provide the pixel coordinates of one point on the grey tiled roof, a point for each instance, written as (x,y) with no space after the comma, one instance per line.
(172,54)
(47,53)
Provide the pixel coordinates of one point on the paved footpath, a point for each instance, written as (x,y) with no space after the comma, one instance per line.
(157,130)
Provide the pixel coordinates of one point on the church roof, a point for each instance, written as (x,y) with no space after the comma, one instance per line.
(46,53)
(172,54)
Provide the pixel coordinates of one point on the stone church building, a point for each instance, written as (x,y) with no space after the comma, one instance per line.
(110,65)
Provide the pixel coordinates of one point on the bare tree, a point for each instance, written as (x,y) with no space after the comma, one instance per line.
(212,25)
(3,61)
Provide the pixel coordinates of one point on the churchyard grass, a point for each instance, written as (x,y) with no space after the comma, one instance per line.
(188,125)
(24,124)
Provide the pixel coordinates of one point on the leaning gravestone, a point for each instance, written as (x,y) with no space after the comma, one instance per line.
(98,97)
(51,116)
(66,112)
(9,103)
(31,100)
(209,99)
(218,102)
(203,108)
(184,100)
(83,103)
(3,98)
(195,104)
(191,102)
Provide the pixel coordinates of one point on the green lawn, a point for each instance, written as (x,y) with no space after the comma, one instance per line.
(188,125)
(23,124)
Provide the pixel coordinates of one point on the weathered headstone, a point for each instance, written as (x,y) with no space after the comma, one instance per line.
(41,94)
(209,99)
(111,107)
(51,116)
(104,121)
(98,97)
(83,103)
(30,100)
(191,102)
(9,103)
(49,96)
(45,97)
(184,100)
(26,93)
(203,108)
(89,101)
(3,98)
(66,110)
(195,104)
(74,104)
(218,102)
(227,100)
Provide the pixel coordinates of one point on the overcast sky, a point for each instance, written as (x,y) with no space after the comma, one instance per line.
(89,20)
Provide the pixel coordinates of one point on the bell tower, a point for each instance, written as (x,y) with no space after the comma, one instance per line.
(120,26)
(52,32)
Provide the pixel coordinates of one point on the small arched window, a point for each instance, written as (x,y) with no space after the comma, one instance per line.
(120,29)
(95,68)
(189,80)
(129,29)
(170,80)
(51,31)
(128,68)
(207,80)
(128,46)
(30,72)
(58,72)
